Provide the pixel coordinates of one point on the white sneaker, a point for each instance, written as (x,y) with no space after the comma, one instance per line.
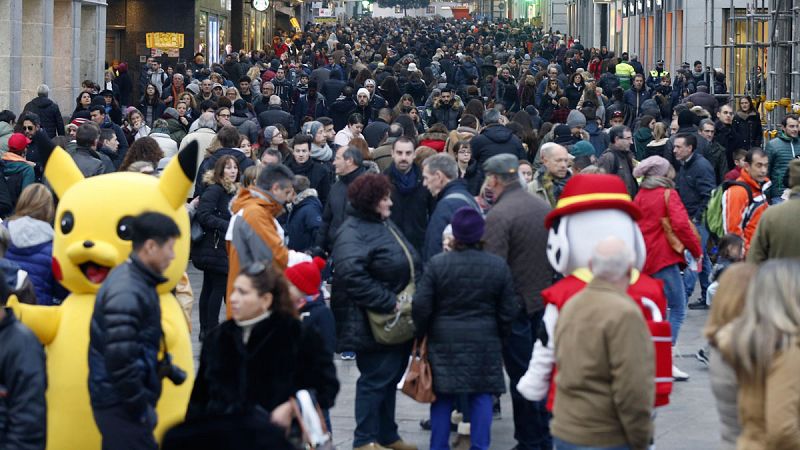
(679,375)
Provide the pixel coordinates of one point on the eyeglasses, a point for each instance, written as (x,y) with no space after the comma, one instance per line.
(225,116)
(254,269)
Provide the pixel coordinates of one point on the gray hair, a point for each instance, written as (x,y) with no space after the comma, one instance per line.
(705,122)
(444,163)
(177,75)
(611,259)
(274,100)
(548,148)
(491,116)
(353,154)
(207,120)
(43,90)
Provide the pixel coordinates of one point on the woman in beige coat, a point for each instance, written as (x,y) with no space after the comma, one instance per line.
(726,307)
(762,347)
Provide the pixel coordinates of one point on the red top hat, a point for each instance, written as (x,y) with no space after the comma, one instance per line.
(588,192)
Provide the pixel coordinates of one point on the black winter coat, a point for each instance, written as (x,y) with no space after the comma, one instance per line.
(23,382)
(303,224)
(495,140)
(371,269)
(748,129)
(411,210)
(317,173)
(694,183)
(49,115)
(280,358)
(462,292)
(335,209)
(209,254)
(124,340)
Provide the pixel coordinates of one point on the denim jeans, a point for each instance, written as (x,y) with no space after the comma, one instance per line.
(563,445)
(531,419)
(689,276)
(480,425)
(676,297)
(376,391)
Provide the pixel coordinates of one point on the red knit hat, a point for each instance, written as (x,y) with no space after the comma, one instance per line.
(306,275)
(588,192)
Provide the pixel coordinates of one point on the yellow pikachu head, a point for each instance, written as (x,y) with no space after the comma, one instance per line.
(92,224)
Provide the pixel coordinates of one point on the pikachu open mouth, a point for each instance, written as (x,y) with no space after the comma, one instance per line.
(94,272)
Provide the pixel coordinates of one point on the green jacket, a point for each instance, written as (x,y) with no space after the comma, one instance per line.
(6,131)
(641,138)
(780,151)
(776,235)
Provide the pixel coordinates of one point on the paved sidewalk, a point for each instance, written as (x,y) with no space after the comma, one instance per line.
(689,423)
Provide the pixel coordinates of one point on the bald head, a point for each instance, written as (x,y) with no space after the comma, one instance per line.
(612,260)
(556,159)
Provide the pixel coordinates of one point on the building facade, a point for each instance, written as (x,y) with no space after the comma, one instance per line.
(676,31)
(56,42)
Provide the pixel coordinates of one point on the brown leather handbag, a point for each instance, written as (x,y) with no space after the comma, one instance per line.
(666,225)
(418,382)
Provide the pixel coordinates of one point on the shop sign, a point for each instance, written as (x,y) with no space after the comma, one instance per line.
(164,40)
(326,12)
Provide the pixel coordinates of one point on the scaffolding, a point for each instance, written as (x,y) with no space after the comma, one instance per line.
(773,25)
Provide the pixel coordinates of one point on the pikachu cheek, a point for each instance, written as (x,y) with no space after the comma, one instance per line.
(57,273)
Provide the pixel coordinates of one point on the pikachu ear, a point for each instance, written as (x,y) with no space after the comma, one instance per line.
(179,175)
(61,171)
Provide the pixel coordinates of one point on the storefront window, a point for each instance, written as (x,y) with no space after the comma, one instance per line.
(202,33)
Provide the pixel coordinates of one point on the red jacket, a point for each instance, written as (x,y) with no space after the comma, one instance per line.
(654,207)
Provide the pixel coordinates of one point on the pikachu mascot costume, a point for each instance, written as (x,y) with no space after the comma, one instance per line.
(91,239)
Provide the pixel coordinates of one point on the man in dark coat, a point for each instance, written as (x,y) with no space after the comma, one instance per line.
(377,129)
(694,182)
(440,175)
(49,114)
(275,114)
(412,203)
(515,231)
(447,109)
(332,88)
(125,337)
(495,139)
(102,120)
(23,422)
(348,167)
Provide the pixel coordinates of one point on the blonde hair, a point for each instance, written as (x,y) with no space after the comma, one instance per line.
(729,299)
(770,319)
(238,96)
(659,131)
(35,201)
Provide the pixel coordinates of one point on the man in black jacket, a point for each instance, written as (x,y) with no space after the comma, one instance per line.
(125,336)
(412,203)
(23,382)
(347,164)
(49,114)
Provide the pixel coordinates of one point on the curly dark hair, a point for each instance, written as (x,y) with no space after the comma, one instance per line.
(366,191)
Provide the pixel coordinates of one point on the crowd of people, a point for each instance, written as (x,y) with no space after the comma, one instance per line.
(419,157)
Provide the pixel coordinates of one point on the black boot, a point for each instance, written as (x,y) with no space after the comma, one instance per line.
(699,304)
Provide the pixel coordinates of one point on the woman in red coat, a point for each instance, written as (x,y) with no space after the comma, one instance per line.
(657,198)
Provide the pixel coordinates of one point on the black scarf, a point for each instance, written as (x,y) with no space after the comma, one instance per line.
(406,183)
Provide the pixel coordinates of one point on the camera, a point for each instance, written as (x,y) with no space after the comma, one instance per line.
(170,371)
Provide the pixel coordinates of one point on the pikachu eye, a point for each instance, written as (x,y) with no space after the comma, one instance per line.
(67,222)
(124,228)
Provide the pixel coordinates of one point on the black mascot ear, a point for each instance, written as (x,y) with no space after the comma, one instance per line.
(188,158)
(558,245)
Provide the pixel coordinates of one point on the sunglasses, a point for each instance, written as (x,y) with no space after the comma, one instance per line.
(255,269)
(28,128)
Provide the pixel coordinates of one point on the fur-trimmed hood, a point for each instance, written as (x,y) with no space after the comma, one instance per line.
(455,104)
(208,180)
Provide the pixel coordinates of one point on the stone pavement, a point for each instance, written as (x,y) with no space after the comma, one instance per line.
(689,422)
